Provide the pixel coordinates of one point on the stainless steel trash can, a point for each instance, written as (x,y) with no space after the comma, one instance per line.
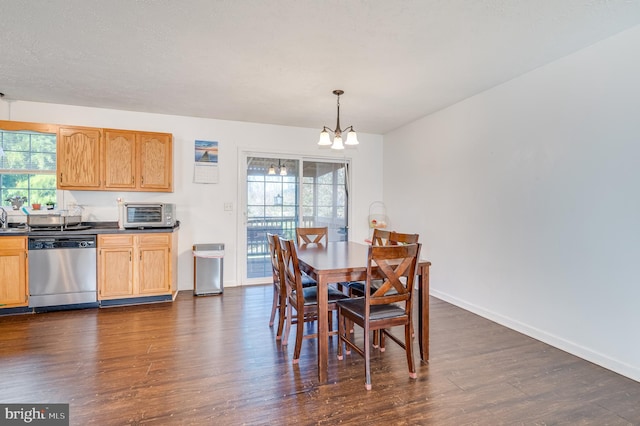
(208,262)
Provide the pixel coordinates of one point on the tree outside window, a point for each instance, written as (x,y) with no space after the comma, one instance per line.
(28,166)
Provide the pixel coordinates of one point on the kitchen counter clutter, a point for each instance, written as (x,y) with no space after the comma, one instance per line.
(132,266)
(82,228)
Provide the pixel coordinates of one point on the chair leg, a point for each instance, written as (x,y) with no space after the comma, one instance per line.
(282,311)
(376,339)
(367,359)
(287,324)
(274,305)
(299,336)
(408,330)
(341,333)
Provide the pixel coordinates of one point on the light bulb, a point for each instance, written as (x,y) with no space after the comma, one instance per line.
(337,143)
(325,140)
(352,138)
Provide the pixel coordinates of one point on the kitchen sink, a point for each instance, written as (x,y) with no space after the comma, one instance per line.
(13,231)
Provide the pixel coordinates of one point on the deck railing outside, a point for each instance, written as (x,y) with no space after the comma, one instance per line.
(258,263)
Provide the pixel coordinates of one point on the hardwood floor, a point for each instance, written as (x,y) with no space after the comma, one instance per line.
(214,360)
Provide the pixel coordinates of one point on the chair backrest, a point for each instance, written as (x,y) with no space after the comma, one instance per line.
(400,238)
(397,266)
(275,253)
(291,272)
(312,235)
(380,237)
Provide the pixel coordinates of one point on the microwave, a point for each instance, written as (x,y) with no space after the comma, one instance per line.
(149,215)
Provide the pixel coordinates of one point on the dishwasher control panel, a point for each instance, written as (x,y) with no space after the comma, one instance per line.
(48,243)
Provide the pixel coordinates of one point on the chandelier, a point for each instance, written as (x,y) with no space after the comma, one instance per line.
(325,139)
(282,169)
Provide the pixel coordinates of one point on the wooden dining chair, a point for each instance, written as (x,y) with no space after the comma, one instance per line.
(305,236)
(387,307)
(380,237)
(302,300)
(279,293)
(312,235)
(396,238)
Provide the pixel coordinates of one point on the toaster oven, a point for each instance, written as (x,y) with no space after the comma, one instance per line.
(148,215)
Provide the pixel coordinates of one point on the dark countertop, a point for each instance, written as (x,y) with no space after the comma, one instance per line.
(95,228)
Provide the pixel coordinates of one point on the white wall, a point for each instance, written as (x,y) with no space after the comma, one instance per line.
(527,200)
(200,206)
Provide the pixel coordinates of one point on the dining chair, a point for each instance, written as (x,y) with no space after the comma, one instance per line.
(315,235)
(380,237)
(302,300)
(312,235)
(387,307)
(396,238)
(279,293)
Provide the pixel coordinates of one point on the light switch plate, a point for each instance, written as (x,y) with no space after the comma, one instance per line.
(228,207)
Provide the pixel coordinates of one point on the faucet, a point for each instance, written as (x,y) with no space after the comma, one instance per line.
(3,217)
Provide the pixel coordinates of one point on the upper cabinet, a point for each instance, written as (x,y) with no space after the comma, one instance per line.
(114,160)
(120,160)
(78,158)
(155,161)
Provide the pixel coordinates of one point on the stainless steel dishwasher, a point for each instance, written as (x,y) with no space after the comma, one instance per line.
(62,272)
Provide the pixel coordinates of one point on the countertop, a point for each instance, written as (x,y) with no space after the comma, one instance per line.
(95,228)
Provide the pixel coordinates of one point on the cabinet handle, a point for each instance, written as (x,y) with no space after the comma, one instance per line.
(133,180)
(61,177)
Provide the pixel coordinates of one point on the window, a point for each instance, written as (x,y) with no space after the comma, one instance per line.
(28,166)
(324,197)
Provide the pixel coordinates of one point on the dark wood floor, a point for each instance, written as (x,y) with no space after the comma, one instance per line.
(214,360)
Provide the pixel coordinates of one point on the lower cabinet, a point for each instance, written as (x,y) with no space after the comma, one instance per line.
(13,272)
(135,265)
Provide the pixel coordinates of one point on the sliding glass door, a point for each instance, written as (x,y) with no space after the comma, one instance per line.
(324,198)
(283,193)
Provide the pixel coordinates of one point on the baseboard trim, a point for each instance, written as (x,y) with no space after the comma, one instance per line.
(136,300)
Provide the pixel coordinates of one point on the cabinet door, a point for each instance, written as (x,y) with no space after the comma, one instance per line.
(155,161)
(115,272)
(13,271)
(154,273)
(78,158)
(119,159)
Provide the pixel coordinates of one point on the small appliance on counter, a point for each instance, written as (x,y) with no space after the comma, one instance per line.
(52,219)
(148,215)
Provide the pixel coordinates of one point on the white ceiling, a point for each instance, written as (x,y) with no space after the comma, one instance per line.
(278,61)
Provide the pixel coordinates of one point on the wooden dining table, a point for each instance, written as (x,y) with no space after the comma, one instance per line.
(347,261)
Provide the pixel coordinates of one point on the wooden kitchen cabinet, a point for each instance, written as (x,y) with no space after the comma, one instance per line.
(155,161)
(78,158)
(119,159)
(114,160)
(135,265)
(138,161)
(13,272)
(115,266)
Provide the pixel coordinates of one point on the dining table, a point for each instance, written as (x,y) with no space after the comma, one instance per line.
(345,261)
